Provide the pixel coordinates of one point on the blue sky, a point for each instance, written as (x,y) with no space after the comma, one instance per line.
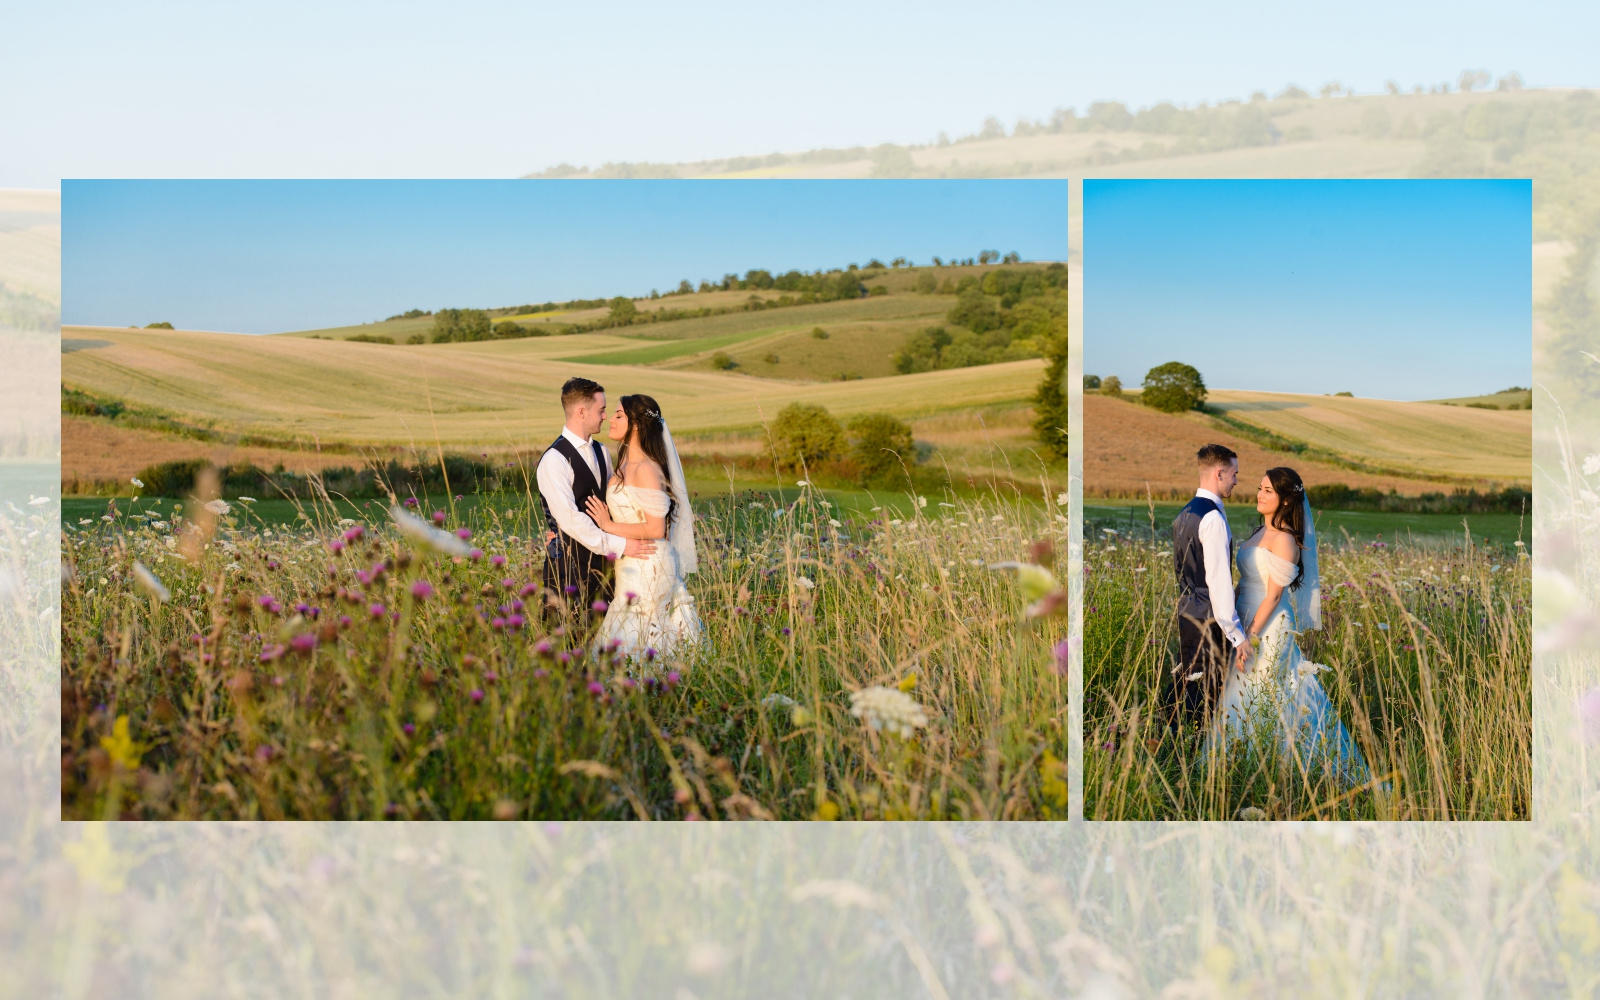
(1387,289)
(498,89)
(272,256)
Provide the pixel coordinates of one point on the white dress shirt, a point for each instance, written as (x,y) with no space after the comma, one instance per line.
(554,476)
(1216,541)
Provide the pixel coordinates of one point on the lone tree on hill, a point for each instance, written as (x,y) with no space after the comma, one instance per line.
(1111,386)
(1050,399)
(1091,381)
(1173,388)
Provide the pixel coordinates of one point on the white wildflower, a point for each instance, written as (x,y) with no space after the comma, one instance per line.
(136,481)
(950,505)
(834,522)
(888,710)
(1108,531)
(38,501)
(247,500)
(218,507)
(149,583)
(425,534)
(803,483)
(998,518)
(1251,813)
(804,583)
(84,520)
(778,701)
(1591,464)
(1061,499)
(922,502)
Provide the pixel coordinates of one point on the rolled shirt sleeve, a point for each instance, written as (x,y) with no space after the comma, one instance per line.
(554,477)
(1213,533)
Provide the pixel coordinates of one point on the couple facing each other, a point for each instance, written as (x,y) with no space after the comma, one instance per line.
(636,514)
(1241,674)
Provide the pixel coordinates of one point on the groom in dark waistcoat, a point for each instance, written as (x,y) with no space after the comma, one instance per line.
(574,468)
(1210,637)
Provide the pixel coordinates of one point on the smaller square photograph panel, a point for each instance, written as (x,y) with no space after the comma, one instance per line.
(1307,471)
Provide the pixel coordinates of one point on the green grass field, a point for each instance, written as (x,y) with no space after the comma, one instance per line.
(1501,531)
(1430,669)
(227,696)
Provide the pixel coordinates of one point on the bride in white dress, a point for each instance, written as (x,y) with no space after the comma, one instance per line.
(1275,696)
(651,614)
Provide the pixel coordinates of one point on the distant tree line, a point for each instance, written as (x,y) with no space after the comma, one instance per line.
(1004,315)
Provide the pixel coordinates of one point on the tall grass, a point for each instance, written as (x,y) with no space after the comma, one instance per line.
(286,679)
(1429,650)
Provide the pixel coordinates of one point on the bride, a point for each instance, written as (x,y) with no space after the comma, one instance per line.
(651,613)
(1275,695)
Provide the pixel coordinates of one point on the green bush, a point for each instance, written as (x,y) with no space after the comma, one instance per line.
(1111,386)
(83,404)
(417,338)
(879,442)
(1173,388)
(158,326)
(804,434)
(770,359)
(1091,381)
(722,361)
(371,338)
(818,333)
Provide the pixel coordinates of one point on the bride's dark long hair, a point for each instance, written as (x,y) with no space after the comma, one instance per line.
(1291,513)
(644,419)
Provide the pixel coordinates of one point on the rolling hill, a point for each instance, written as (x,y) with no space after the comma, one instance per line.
(1411,448)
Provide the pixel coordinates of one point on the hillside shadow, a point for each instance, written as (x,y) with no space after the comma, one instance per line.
(69,344)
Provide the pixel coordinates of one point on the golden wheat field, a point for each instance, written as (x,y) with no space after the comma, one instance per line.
(1491,447)
(464,395)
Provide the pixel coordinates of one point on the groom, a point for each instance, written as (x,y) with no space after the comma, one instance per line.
(1209,634)
(574,468)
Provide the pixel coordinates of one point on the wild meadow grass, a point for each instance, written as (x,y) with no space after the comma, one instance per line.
(218,666)
(1430,657)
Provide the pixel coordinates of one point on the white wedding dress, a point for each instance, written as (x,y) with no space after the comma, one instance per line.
(1277,698)
(651,608)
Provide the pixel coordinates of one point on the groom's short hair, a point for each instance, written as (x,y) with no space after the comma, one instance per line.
(1213,455)
(576,391)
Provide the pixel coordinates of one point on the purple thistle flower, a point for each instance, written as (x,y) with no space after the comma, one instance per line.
(376,609)
(599,606)
(507,583)
(528,590)
(475,554)
(438,517)
(421,590)
(785,631)
(476,695)
(542,648)
(649,654)
(305,642)
(345,621)
(498,560)
(497,622)
(1063,651)
(628,684)
(463,533)
(596,688)
(515,621)
(570,589)
(336,546)
(409,729)
(353,533)
(540,674)
(272,652)
(632,597)
(490,676)
(673,678)
(411,501)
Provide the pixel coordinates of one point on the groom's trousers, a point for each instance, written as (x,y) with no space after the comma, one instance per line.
(1202,665)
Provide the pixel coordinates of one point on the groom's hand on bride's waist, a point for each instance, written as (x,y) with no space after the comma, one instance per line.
(638,548)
